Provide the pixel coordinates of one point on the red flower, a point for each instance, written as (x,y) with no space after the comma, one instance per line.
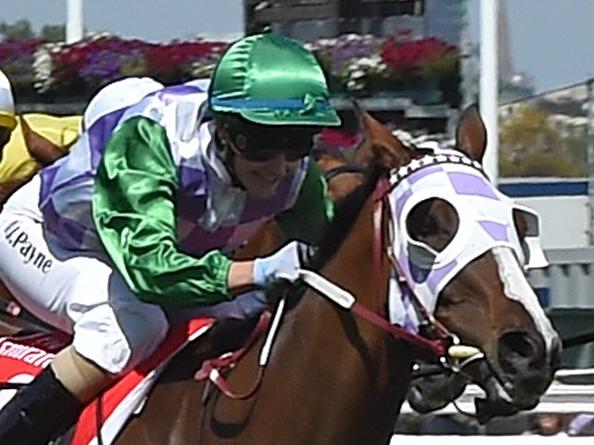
(413,56)
(337,138)
(166,61)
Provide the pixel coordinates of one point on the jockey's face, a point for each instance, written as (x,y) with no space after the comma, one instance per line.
(261,179)
(263,165)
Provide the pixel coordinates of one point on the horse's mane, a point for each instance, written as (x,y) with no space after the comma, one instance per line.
(345,214)
(346,211)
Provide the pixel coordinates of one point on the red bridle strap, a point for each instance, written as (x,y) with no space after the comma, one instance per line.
(437,347)
(211,369)
(343,298)
(380,194)
(380,251)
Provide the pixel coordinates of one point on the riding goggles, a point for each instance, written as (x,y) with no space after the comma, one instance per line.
(239,145)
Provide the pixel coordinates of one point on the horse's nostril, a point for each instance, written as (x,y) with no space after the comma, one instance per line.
(521,347)
(517,343)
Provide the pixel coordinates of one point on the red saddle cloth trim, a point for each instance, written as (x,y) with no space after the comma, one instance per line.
(29,354)
(24,356)
(87,426)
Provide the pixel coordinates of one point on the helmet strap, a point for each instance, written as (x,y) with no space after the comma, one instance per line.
(227,156)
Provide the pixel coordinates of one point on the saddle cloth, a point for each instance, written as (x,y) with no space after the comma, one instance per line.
(23,357)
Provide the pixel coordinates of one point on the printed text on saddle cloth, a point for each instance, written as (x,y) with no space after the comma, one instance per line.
(22,358)
(485,222)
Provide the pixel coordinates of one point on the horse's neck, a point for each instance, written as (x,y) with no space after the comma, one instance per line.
(349,367)
(332,379)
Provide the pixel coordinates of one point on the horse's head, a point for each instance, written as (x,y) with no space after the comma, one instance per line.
(462,248)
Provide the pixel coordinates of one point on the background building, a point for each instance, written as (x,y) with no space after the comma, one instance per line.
(312,19)
(415,106)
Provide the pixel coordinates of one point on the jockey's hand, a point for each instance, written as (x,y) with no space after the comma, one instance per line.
(283,264)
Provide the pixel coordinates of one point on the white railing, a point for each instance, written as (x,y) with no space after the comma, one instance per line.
(402,439)
(560,398)
(569,278)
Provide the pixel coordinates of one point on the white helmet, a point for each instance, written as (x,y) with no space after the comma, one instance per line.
(7,113)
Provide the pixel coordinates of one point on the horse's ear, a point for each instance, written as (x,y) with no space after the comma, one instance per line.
(39,147)
(379,144)
(471,133)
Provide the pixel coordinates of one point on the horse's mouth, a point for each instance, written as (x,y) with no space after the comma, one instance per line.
(499,402)
(434,388)
(501,397)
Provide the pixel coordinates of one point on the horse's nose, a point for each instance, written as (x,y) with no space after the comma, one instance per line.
(521,349)
(525,363)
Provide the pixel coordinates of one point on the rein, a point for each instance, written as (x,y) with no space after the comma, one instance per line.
(445,346)
(337,171)
(211,369)
(346,300)
(578,340)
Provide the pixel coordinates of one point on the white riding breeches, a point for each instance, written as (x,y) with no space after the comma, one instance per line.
(83,294)
(73,291)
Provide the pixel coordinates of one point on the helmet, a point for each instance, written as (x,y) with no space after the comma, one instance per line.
(7,113)
(272,80)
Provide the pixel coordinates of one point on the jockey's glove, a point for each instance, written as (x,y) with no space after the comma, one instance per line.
(284,264)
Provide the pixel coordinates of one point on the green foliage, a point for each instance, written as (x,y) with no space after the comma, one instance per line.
(22,30)
(532,145)
(53,33)
(19,30)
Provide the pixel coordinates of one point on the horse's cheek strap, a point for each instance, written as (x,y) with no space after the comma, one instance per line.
(379,199)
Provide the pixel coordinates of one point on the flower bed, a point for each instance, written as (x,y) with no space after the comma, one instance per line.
(354,64)
(82,68)
(16,61)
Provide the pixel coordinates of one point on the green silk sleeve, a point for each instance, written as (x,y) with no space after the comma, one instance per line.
(306,220)
(135,216)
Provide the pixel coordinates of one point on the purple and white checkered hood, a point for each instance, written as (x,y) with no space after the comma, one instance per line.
(485,221)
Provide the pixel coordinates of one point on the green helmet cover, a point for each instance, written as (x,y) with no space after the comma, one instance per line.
(272,80)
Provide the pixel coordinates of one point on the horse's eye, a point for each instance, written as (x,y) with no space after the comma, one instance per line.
(433,222)
(428,227)
(420,222)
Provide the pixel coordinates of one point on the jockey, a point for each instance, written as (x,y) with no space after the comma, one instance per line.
(19,161)
(142,215)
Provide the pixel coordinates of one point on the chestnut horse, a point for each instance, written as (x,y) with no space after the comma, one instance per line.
(336,379)
(333,378)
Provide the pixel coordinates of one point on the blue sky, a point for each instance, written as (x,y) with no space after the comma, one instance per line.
(553,40)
